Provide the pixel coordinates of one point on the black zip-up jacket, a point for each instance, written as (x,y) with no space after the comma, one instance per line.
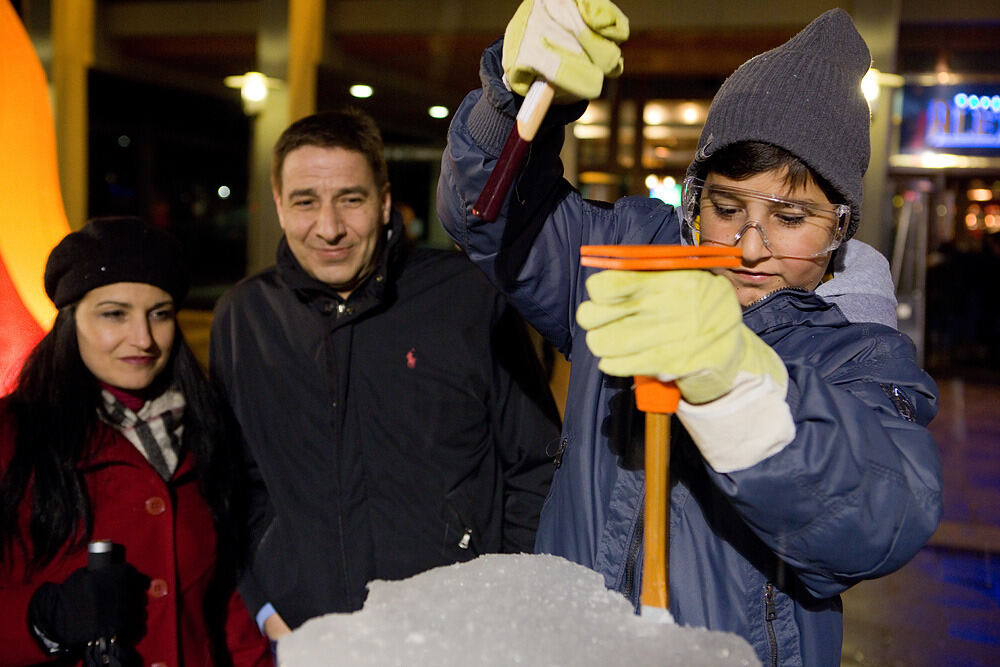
(406,427)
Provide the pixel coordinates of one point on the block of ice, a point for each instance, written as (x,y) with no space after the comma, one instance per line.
(532,610)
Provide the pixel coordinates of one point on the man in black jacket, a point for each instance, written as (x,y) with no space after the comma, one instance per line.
(394,413)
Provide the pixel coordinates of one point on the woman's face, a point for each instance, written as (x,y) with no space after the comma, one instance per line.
(125,332)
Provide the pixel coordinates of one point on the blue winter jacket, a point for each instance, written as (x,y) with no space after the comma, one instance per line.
(763,552)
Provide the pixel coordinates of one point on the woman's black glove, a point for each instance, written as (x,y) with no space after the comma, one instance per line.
(109,602)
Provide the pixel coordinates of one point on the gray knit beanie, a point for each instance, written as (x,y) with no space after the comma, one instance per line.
(805,97)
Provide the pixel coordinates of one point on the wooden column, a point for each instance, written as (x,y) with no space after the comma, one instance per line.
(72,56)
(305,50)
(289,48)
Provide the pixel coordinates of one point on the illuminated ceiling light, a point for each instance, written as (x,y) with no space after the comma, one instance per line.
(652,181)
(874,80)
(254,88)
(654,113)
(979,194)
(690,114)
(869,86)
(971,221)
(361,90)
(224,192)
(438,111)
(941,68)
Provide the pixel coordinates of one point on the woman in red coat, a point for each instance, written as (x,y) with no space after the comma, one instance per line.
(113,433)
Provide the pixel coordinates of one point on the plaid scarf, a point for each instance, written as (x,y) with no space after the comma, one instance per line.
(155,430)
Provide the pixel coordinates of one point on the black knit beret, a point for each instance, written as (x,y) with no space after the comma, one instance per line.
(805,97)
(114,250)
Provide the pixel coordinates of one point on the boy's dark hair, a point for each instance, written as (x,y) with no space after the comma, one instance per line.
(744,159)
(348,128)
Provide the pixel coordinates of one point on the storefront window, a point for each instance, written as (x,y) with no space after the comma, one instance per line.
(611,164)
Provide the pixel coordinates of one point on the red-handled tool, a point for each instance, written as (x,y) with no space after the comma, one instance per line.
(658,400)
(529,118)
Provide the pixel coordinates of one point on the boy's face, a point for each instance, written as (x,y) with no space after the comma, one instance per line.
(760,272)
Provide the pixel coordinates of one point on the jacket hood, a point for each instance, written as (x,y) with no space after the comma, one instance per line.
(863,288)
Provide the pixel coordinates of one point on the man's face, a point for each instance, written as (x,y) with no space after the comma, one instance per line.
(760,273)
(332,214)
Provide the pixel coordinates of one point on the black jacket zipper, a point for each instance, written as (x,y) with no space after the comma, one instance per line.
(558,457)
(633,555)
(770,614)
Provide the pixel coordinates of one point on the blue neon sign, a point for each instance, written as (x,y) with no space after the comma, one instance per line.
(957,119)
(984,102)
(966,120)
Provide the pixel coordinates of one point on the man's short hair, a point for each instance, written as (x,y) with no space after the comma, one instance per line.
(348,128)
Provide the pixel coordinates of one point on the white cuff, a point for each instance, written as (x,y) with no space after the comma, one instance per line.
(742,428)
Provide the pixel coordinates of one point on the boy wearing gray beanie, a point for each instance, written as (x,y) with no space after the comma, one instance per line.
(804,464)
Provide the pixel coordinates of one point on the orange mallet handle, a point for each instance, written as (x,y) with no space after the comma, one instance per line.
(658,400)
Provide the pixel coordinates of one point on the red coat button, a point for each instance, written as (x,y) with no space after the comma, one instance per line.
(158,588)
(155,506)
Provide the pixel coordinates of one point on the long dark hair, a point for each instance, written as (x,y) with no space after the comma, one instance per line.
(54,414)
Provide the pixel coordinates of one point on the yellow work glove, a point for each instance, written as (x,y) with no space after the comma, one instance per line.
(572,44)
(674,325)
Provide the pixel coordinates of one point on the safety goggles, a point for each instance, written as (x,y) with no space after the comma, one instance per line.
(723,215)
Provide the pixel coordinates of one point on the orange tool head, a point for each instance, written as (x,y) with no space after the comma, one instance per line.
(658,257)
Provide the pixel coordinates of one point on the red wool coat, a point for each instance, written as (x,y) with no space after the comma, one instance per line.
(168,535)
